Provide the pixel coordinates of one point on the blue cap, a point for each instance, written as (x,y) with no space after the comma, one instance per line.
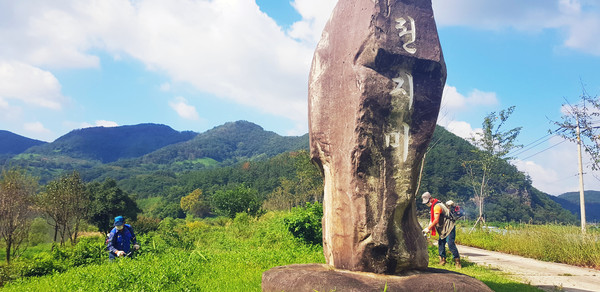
(119,220)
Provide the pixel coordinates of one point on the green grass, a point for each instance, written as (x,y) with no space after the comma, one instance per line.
(223,255)
(204,161)
(217,254)
(552,243)
(495,279)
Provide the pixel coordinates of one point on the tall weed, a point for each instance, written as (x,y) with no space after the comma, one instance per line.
(553,243)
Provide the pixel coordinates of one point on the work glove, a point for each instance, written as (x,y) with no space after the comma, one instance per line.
(120,253)
(425,231)
(136,246)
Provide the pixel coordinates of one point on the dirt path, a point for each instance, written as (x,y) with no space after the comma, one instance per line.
(545,275)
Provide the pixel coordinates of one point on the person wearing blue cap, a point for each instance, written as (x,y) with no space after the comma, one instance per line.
(120,239)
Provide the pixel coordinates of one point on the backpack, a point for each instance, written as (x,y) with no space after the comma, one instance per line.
(455,211)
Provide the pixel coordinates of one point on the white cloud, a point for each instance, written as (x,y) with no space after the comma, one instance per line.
(165,86)
(580,19)
(183,109)
(315,14)
(454,103)
(108,124)
(28,84)
(98,123)
(461,129)
(47,33)
(227,48)
(3,104)
(555,170)
(36,128)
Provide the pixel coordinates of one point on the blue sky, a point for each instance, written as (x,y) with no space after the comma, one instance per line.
(196,64)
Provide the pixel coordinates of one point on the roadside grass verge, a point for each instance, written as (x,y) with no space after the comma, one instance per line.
(493,278)
(551,243)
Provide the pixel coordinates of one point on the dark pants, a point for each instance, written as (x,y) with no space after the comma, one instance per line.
(451,245)
(111,256)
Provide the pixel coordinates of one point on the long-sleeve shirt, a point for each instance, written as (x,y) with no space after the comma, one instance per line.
(121,239)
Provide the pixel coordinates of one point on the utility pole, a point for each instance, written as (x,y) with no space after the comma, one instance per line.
(581,192)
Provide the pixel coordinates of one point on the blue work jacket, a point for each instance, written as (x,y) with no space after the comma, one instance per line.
(121,239)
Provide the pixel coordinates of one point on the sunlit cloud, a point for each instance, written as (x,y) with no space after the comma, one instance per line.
(36,128)
(30,85)
(555,169)
(108,124)
(183,109)
(578,20)
(165,86)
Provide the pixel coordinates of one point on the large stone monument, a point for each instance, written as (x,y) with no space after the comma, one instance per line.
(375,89)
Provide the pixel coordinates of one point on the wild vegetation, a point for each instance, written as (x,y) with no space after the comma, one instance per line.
(212,254)
(227,204)
(550,242)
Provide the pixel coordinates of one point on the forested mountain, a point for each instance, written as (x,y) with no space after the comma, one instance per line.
(11,143)
(570,201)
(244,153)
(108,144)
(231,142)
(89,150)
(512,197)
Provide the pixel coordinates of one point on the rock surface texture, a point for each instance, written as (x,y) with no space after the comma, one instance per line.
(317,277)
(375,88)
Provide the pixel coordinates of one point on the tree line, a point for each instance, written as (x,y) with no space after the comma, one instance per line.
(65,203)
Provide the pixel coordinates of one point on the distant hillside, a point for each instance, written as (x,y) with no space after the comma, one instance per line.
(512,197)
(228,143)
(570,201)
(108,144)
(11,143)
(151,159)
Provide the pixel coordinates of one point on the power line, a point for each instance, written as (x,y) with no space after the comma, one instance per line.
(563,141)
(530,146)
(534,144)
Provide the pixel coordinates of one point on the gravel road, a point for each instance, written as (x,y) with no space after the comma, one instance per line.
(545,275)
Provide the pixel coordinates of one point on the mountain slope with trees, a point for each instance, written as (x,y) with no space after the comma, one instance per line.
(570,201)
(108,144)
(278,167)
(228,143)
(11,143)
(512,196)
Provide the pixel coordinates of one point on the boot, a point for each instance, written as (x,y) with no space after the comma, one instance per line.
(442,261)
(457,263)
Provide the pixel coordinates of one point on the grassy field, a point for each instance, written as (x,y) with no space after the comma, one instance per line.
(206,255)
(552,243)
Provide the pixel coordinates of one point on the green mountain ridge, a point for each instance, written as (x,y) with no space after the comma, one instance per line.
(109,144)
(243,152)
(570,201)
(11,143)
(231,142)
(512,196)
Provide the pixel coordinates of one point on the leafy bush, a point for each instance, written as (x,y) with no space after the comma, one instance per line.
(42,264)
(305,223)
(145,225)
(89,250)
(238,199)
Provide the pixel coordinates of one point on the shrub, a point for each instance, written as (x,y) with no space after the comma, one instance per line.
(89,250)
(238,199)
(42,264)
(145,224)
(305,223)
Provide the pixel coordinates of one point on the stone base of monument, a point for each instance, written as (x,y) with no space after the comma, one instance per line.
(323,278)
